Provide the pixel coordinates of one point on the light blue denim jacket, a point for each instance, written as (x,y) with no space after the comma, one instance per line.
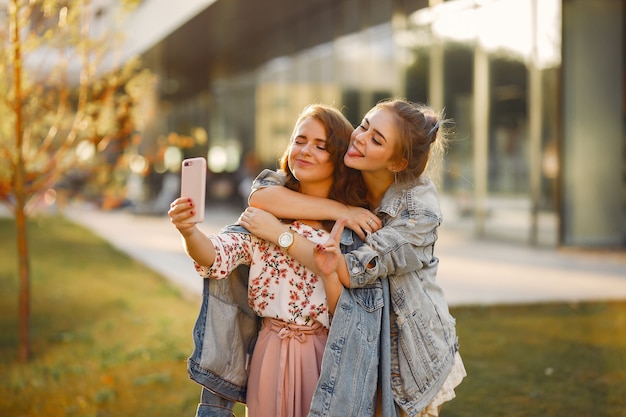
(415,339)
(224,336)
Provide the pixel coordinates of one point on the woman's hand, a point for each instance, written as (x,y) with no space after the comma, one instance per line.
(327,258)
(261,223)
(327,255)
(181,210)
(197,245)
(362,221)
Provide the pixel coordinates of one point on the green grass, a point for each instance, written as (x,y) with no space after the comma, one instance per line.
(110,338)
(546,359)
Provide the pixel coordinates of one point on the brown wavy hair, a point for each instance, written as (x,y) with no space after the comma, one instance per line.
(348,186)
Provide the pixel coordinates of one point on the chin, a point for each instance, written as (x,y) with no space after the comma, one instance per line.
(351,163)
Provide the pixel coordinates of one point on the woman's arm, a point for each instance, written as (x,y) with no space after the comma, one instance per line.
(403,245)
(197,245)
(269,194)
(333,289)
(266,226)
(326,261)
(295,205)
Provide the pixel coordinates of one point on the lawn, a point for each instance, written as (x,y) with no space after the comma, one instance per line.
(550,360)
(110,338)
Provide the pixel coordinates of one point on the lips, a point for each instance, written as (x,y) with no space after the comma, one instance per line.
(303,163)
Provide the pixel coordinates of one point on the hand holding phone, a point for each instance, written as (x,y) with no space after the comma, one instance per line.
(193,185)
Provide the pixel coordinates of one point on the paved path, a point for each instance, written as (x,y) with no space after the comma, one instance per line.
(470,272)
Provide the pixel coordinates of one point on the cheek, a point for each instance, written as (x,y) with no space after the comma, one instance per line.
(327,166)
(379,155)
(291,157)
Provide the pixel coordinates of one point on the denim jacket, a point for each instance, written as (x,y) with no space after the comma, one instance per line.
(415,339)
(423,334)
(224,336)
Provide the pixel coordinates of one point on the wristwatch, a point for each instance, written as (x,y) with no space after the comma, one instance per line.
(285,240)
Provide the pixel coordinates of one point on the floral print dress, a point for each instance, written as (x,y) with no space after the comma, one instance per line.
(278,286)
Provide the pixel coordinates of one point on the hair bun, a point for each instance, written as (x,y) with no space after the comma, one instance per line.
(432,133)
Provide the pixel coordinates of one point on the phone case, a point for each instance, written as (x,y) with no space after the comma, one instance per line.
(193,185)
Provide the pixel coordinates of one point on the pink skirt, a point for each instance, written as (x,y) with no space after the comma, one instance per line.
(285,368)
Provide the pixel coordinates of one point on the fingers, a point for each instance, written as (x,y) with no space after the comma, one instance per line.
(246,217)
(335,233)
(364,219)
(180,204)
(372,223)
(365,225)
(353,225)
(330,247)
(369,224)
(181,210)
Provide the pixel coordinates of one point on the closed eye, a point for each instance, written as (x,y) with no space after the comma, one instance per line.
(365,126)
(302,141)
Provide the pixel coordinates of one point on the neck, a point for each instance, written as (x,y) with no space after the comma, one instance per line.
(316,190)
(377,185)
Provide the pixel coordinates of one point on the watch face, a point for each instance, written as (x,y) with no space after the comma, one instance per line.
(285,239)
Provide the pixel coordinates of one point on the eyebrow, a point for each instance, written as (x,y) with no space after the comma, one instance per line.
(378,132)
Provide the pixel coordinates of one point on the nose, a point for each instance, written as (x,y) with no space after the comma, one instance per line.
(306,149)
(360,138)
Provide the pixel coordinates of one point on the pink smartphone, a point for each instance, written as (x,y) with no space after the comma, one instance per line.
(193,185)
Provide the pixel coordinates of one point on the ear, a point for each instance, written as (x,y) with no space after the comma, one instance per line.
(398,166)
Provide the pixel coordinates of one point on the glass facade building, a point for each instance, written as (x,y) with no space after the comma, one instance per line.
(535,89)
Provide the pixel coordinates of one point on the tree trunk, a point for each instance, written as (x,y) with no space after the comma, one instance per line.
(20,214)
(24,272)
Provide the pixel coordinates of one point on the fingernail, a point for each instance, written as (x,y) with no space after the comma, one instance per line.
(193,212)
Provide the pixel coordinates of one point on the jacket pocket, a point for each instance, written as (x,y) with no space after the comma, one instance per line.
(370,297)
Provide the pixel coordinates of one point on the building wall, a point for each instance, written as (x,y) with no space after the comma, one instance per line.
(593,120)
(495,68)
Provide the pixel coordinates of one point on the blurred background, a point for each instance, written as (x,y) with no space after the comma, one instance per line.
(535,89)
(101,100)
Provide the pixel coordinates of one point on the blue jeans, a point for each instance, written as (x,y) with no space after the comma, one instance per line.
(212,405)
